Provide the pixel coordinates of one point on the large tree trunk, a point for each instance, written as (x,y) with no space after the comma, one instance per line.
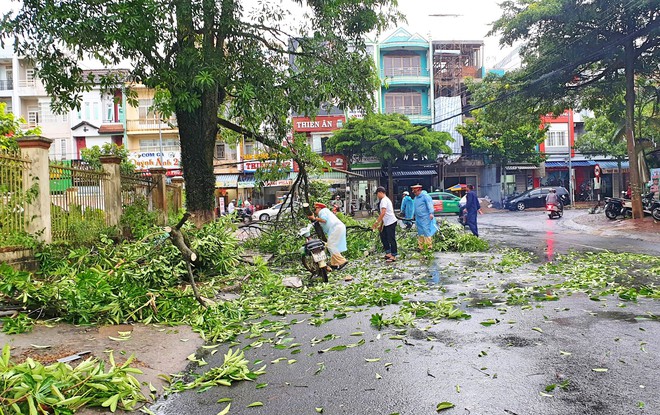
(635,184)
(198,130)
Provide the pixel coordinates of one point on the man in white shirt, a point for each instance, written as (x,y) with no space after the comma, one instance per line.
(386,223)
(231,208)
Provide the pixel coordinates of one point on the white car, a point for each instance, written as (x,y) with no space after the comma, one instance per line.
(271,212)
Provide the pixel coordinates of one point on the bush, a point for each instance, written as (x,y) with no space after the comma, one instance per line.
(137,221)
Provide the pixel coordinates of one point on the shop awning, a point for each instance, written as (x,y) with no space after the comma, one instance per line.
(414,173)
(368,173)
(522,167)
(574,163)
(610,166)
(226,180)
(328,177)
(246,182)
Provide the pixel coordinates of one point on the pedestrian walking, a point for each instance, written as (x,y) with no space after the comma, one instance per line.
(386,224)
(335,230)
(424,218)
(473,207)
(407,210)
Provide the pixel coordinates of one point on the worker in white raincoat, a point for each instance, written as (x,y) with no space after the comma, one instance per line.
(336,233)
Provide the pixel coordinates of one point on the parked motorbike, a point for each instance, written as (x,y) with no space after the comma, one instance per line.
(314,257)
(313,254)
(651,206)
(615,207)
(244,215)
(554,211)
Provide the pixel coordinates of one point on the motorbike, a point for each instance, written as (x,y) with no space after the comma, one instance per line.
(651,206)
(314,257)
(615,207)
(244,215)
(554,211)
(313,254)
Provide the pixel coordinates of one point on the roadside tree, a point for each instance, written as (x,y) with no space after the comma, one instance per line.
(218,64)
(388,137)
(506,131)
(571,45)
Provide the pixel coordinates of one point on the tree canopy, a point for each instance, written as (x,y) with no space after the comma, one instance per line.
(506,131)
(389,138)
(572,46)
(221,63)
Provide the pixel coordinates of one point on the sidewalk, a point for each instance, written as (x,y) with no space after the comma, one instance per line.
(646,229)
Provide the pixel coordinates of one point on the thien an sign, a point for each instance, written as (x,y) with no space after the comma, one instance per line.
(318,124)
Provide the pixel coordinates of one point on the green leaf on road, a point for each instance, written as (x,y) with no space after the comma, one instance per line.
(489,322)
(225,411)
(319,410)
(261,385)
(223,400)
(377,359)
(600,369)
(563,353)
(444,405)
(537,329)
(254,404)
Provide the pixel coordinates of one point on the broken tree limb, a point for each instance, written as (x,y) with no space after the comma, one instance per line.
(179,241)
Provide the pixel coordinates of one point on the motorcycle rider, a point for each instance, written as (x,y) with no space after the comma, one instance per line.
(552,198)
(337,204)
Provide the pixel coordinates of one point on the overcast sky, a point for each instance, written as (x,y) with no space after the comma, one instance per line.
(472,24)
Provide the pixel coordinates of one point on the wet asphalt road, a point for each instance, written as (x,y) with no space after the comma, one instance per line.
(500,369)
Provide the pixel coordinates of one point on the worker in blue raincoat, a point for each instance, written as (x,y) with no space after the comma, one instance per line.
(407,210)
(335,230)
(424,218)
(473,207)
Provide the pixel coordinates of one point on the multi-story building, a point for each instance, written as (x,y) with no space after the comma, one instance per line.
(101,117)
(151,140)
(25,96)
(453,62)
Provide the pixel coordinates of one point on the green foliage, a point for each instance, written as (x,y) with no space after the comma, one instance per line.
(20,323)
(602,137)
(388,137)
(319,191)
(93,156)
(10,130)
(559,38)
(18,239)
(231,67)
(136,220)
(506,131)
(65,389)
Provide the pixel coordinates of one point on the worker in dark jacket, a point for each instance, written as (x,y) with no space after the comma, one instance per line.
(473,207)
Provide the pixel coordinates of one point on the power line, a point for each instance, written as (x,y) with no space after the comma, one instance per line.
(543,77)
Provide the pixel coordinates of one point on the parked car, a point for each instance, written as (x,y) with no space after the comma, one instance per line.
(535,198)
(444,202)
(271,212)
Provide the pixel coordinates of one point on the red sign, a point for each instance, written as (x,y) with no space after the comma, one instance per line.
(318,124)
(338,161)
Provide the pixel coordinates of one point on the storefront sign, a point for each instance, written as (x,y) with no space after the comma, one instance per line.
(253,163)
(318,124)
(336,161)
(147,160)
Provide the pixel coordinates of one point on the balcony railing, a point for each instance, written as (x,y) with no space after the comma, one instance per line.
(150,124)
(6,85)
(410,71)
(411,110)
